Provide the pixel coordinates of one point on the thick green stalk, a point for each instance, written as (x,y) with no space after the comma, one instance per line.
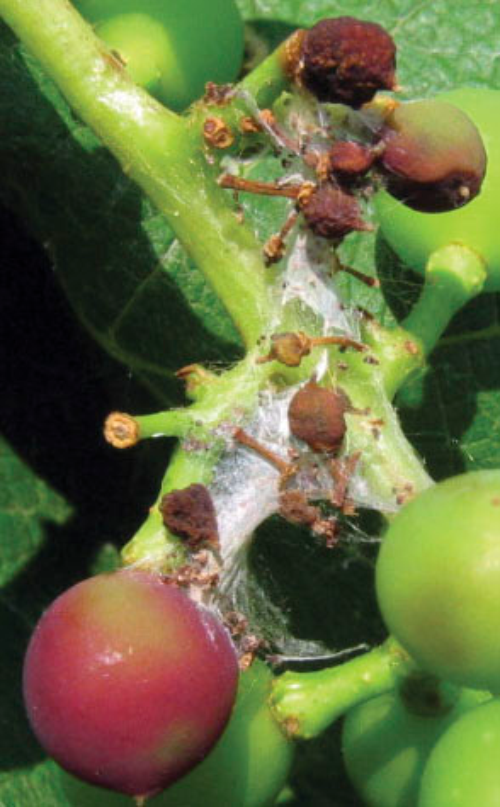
(156,148)
(226,399)
(305,704)
(454,275)
(399,353)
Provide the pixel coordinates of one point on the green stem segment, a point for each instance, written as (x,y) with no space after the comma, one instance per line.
(305,704)
(454,275)
(171,423)
(399,353)
(256,92)
(268,80)
(156,148)
(223,400)
(153,546)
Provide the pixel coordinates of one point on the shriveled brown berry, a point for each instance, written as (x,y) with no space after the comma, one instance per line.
(290,348)
(317,416)
(434,158)
(190,514)
(331,213)
(346,61)
(349,159)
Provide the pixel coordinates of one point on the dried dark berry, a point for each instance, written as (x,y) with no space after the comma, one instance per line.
(434,158)
(330,212)
(190,514)
(346,61)
(349,159)
(317,416)
(289,348)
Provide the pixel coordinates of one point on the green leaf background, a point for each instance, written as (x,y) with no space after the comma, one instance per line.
(66,499)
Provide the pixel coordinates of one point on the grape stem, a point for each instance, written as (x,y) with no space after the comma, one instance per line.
(454,275)
(305,704)
(157,148)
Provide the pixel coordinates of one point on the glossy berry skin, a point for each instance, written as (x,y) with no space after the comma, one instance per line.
(127,683)
(386,745)
(463,770)
(438,579)
(247,768)
(434,159)
(414,236)
(171,47)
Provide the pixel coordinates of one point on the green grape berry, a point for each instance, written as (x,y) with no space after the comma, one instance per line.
(387,740)
(247,768)
(415,235)
(250,764)
(462,770)
(438,579)
(171,48)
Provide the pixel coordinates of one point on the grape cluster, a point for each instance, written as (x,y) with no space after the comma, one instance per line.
(435,741)
(133,686)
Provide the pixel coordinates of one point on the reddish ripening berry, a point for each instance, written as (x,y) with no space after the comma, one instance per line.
(317,416)
(434,158)
(346,61)
(330,212)
(128,683)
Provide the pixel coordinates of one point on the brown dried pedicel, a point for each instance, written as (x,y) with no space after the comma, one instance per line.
(317,416)
(331,213)
(190,514)
(346,61)
(289,348)
(434,158)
